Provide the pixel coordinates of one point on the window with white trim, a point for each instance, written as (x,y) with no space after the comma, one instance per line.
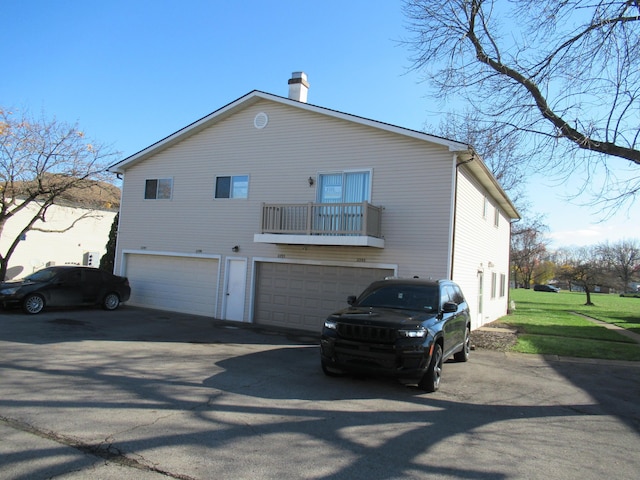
(232,186)
(344,187)
(158,189)
(334,191)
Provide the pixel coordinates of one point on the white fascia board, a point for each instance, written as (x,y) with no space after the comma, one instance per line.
(329,240)
(452,145)
(185,132)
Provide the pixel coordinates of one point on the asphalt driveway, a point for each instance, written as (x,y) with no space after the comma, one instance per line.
(153,395)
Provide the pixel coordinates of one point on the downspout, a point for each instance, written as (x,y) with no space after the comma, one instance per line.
(454,209)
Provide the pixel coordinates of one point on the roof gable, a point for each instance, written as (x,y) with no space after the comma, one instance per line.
(255,96)
(465,152)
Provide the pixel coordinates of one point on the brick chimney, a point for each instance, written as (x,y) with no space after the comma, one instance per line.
(298,87)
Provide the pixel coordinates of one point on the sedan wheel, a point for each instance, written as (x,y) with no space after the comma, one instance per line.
(33,304)
(111,301)
(430,382)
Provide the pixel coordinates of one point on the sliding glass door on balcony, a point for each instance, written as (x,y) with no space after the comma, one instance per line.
(336,189)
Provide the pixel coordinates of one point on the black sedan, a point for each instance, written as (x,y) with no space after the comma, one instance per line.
(400,328)
(64,286)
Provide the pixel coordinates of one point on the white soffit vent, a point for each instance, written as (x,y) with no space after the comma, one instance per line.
(261,120)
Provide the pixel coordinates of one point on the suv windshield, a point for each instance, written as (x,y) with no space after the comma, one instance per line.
(408,297)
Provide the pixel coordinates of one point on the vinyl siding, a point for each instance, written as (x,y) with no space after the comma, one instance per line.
(480,246)
(411,179)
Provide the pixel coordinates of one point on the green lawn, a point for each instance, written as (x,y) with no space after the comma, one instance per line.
(547,324)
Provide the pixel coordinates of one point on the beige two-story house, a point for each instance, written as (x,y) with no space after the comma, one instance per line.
(272,210)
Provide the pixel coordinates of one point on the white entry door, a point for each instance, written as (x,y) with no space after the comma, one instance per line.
(235,284)
(480,319)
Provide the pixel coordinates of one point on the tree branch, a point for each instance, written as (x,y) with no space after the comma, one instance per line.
(565,129)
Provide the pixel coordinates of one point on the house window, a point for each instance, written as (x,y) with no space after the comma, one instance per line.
(496,217)
(503,284)
(235,186)
(158,189)
(485,207)
(344,187)
(494,279)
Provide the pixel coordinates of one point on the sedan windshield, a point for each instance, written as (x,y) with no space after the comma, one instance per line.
(408,297)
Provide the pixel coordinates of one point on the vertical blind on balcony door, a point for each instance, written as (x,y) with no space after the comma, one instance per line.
(345,187)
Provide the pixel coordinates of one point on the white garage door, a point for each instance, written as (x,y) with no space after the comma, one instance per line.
(179,284)
(301,296)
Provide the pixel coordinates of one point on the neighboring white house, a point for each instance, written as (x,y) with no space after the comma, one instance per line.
(84,244)
(271,210)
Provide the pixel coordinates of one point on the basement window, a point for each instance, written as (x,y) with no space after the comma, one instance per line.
(233,186)
(158,189)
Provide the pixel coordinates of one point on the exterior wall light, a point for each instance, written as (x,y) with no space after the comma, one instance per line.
(236,249)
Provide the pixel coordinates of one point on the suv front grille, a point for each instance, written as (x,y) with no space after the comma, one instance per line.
(367,333)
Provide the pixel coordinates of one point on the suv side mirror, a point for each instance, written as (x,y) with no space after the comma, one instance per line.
(450,307)
(351,299)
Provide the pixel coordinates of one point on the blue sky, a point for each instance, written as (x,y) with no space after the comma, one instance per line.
(132,72)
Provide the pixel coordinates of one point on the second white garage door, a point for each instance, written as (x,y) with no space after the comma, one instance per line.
(179,284)
(301,296)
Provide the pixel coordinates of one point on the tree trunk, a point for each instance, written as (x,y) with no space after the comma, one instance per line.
(588,292)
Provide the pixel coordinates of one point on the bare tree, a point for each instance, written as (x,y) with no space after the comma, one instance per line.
(498,149)
(41,163)
(566,73)
(623,259)
(528,250)
(585,268)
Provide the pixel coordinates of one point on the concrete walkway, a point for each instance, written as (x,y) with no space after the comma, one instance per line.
(622,331)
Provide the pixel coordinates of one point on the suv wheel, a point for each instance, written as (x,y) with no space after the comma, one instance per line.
(430,382)
(463,355)
(329,372)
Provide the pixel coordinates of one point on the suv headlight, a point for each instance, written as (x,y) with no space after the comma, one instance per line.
(330,324)
(413,333)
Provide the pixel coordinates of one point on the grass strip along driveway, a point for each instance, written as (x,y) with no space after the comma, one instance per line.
(555,324)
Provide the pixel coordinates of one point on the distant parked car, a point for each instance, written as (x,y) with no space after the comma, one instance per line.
(631,294)
(546,288)
(400,328)
(63,286)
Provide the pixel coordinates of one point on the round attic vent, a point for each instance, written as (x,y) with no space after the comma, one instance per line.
(261,120)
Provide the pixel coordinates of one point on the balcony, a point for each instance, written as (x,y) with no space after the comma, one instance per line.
(345,224)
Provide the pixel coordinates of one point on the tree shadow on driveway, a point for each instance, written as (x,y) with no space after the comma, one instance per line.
(198,398)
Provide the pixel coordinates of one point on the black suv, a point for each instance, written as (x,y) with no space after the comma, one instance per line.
(400,328)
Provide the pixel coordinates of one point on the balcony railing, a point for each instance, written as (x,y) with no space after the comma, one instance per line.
(359,219)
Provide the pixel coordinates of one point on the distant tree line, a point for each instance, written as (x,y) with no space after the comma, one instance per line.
(614,266)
